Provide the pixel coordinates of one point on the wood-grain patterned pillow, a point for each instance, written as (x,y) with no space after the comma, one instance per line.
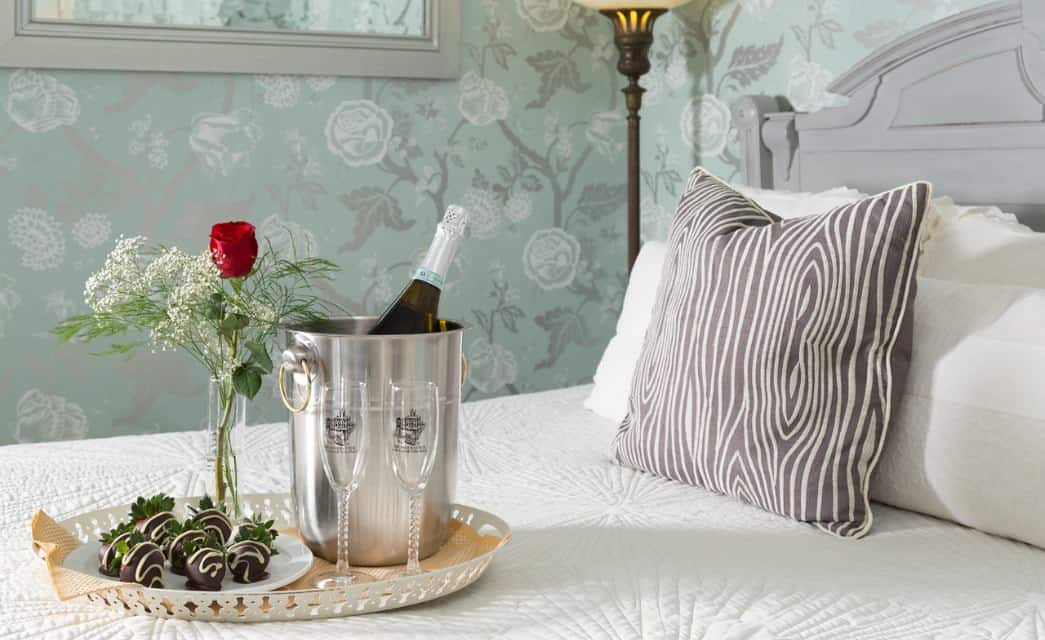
(777,350)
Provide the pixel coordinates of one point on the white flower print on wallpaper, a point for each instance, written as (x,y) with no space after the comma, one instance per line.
(605,132)
(482,102)
(279,91)
(358,131)
(519,207)
(224,142)
(484,215)
(38,235)
(705,124)
(148,143)
(9,299)
(807,85)
(42,417)
(531,138)
(559,138)
(491,366)
(319,84)
(550,258)
(758,7)
(545,15)
(37,102)
(92,230)
(290,240)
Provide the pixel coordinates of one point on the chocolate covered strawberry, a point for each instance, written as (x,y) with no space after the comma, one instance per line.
(153,517)
(205,566)
(107,551)
(213,519)
(249,560)
(140,561)
(178,538)
(252,549)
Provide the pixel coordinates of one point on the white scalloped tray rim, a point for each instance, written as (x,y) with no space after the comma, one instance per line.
(285,605)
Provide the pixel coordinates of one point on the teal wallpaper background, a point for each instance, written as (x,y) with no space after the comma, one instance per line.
(530,139)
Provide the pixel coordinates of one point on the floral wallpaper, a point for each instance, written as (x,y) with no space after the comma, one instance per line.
(530,139)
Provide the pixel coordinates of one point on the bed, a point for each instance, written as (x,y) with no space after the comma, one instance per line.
(599,550)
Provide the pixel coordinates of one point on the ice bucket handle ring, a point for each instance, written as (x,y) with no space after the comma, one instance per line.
(283,387)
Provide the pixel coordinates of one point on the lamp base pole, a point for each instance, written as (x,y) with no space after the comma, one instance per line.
(633,36)
(633,99)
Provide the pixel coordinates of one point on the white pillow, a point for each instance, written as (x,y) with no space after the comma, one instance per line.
(979,244)
(968,440)
(982,245)
(791,204)
(609,396)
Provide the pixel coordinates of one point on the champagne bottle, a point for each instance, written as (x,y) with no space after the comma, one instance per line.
(417,307)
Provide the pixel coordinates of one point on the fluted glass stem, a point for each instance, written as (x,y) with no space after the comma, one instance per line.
(413,552)
(343,568)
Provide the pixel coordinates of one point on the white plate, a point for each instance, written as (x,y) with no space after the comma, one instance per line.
(293,561)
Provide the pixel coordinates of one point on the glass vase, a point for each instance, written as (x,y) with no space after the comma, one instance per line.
(226,417)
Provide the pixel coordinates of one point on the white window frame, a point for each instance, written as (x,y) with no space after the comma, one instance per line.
(51,44)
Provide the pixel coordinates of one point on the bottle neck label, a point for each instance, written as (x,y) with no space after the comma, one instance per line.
(429,276)
(437,261)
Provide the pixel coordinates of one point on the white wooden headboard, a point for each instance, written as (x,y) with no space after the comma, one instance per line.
(960,102)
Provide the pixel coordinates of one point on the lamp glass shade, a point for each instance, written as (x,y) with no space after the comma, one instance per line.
(632,4)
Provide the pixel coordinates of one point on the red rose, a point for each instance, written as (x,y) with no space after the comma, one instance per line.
(233,248)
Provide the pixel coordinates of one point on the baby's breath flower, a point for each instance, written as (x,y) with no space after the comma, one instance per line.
(120,280)
(262,312)
(191,280)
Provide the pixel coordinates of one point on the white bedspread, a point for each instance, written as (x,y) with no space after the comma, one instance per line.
(599,551)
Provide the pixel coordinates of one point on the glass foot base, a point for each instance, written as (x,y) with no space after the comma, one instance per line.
(331,580)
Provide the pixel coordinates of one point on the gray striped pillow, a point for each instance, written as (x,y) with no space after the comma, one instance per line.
(777,350)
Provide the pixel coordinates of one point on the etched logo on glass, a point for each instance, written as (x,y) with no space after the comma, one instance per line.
(339,430)
(408,433)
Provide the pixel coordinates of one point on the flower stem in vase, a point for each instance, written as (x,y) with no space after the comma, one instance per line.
(228,411)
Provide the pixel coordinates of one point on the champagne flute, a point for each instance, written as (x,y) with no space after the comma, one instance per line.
(414,420)
(343,445)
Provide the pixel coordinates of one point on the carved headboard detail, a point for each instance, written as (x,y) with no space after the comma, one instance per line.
(960,102)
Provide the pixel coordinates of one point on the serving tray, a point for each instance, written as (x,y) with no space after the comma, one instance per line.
(467,553)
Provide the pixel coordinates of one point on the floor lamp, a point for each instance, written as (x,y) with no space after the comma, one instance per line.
(633,27)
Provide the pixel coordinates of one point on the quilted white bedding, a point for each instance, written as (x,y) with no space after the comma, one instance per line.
(598,552)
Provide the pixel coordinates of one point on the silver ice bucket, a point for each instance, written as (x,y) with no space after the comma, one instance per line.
(379,507)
